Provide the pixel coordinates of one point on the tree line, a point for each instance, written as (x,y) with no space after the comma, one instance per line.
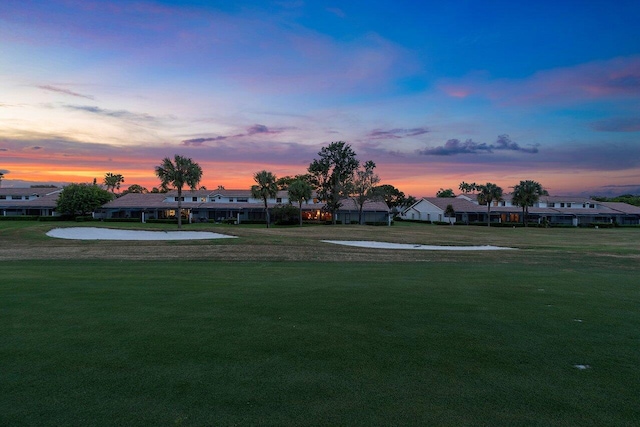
(335,175)
(525,194)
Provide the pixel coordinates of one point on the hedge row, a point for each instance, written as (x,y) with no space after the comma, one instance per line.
(19,218)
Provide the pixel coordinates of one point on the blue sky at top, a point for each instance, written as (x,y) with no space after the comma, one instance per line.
(425,89)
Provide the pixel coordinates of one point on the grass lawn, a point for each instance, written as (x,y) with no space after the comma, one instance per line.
(443,339)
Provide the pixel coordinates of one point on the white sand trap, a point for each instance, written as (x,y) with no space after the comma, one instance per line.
(94,233)
(385,245)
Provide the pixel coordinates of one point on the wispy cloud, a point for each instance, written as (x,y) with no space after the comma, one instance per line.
(397,133)
(618,124)
(337,12)
(197,142)
(505,143)
(119,114)
(610,79)
(256,129)
(262,129)
(455,146)
(50,88)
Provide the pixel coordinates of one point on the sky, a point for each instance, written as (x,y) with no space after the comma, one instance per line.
(434,92)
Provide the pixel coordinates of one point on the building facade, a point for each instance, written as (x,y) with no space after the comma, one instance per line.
(28,201)
(552,210)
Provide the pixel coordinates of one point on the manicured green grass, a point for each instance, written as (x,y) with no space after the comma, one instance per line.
(102,342)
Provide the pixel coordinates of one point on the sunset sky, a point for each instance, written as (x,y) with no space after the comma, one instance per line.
(434,92)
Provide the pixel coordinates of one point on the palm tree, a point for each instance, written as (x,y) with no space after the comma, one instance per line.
(450,213)
(525,194)
(299,191)
(488,193)
(467,187)
(266,188)
(178,173)
(364,181)
(113,181)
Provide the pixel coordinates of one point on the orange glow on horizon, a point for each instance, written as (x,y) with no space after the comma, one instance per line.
(412,179)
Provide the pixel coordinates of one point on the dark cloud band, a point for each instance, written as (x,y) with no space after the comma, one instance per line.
(455,146)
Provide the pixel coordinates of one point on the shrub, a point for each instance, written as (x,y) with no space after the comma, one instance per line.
(285,215)
(163,221)
(19,218)
(417,221)
(53,218)
(123,220)
(601,225)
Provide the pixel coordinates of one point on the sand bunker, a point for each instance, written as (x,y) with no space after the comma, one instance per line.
(93,233)
(385,245)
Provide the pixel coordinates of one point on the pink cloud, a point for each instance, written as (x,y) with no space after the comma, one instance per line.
(599,80)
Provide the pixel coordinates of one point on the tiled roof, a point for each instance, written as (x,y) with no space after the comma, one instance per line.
(566,199)
(47,197)
(461,204)
(138,200)
(157,201)
(41,192)
(369,205)
(622,207)
(458,204)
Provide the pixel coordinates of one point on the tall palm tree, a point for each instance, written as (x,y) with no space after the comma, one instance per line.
(112,181)
(526,194)
(300,191)
(176,174)
(467,187)
(488,193)
(449,212)
(267,187)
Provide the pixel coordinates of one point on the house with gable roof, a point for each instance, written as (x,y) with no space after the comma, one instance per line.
(28,201)
(221,204)
(556,210)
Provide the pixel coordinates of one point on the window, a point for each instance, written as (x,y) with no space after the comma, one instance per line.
(552,205)
(279,200)
(568,205)
(243,199)
(592,206)
(3,197)
(231,199)
(562,205)
(176,199)
(194,199)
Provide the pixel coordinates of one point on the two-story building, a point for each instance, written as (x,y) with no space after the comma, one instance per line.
(28,201)
(238,205)
(557,210)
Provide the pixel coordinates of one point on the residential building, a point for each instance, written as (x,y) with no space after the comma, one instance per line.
(28,201)
(237,205)
(555,210)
